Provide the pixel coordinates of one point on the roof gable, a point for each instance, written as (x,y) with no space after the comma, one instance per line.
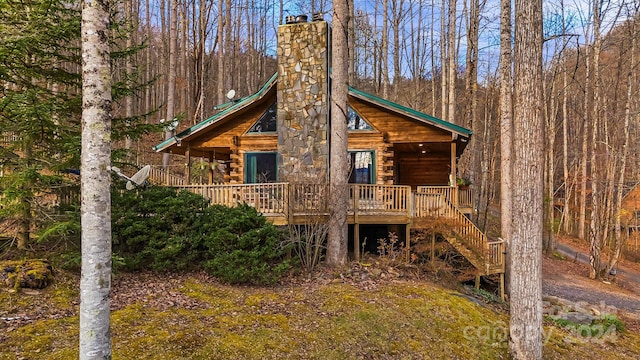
(426,118)
(238,105)
(233,108)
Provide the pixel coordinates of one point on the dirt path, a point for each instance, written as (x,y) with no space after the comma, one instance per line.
(569,279)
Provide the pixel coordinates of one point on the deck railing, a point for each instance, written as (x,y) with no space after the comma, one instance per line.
(496,254)
(437,201)
(309,199)
(465,197)
(271,198)
(285,199)
(462,197)
(379,199)
(160,176)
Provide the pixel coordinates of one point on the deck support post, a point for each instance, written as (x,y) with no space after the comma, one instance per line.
(212,166)
(408,242)
(477,281)
(502,286)
(433,250)
(356,241)
(187,173)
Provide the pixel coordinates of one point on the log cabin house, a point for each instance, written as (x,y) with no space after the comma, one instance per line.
(276,142)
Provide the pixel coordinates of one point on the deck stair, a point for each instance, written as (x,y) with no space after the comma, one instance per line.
(486,256)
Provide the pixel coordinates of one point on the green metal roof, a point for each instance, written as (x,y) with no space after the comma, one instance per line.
(239,104)
(410,112)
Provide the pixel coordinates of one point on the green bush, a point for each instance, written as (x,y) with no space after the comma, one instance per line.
(243,247)
(166,230)
(149,227)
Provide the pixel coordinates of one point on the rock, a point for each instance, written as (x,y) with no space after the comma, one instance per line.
(33,274)
(578,318)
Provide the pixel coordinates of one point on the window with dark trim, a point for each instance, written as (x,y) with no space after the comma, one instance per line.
(362,167)
(355,122)
(260,167)
(268,122)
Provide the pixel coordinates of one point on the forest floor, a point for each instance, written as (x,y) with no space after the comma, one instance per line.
(566,275)
(369,310)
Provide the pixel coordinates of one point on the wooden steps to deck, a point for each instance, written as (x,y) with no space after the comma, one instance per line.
(486,256)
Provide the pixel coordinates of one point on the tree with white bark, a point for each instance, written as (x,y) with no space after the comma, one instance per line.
(95,281)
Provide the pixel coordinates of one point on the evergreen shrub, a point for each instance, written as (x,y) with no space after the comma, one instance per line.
(166,230)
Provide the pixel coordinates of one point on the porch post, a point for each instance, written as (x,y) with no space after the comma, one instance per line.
(356,241)
(211,165)
(454,174)
(408,242)
(187,173)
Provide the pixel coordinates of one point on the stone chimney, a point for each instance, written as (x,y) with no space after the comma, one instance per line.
(303,96)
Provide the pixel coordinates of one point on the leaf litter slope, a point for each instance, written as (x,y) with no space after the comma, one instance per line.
(194,317)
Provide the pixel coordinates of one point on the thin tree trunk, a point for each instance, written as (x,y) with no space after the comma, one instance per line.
(596,211)
(617,246)
(128,105)
(171,90)
(384,58)
(95,281)
(452,53)
(506,131)
(433,60)
(443,56)
(582,215)
(221,56)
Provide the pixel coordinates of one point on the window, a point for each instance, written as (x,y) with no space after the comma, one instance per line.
(355,121)
(362,167)
(260,168)
(268,122)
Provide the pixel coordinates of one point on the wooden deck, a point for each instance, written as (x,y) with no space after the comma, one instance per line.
(286,203)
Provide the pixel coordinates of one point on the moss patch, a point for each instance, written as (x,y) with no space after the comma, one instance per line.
(402,320)
(34,274)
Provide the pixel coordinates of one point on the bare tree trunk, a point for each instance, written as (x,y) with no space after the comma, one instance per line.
(338,170)
(171,91)
(596,211)
(617,246)
(452,53)
(443,66)
(526,242)
(506,131)
(582,215)
(384,58)
(565,139)
(147,69)
(128,106)
(433,60)
(352,43)
(221,55)
(95,282)
(397,12)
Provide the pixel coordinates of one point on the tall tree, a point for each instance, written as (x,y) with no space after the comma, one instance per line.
(338,169)
(631,82)
(506,130)
(451,67)
(525,326)
(95,282)
(171,91)
(596,208)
